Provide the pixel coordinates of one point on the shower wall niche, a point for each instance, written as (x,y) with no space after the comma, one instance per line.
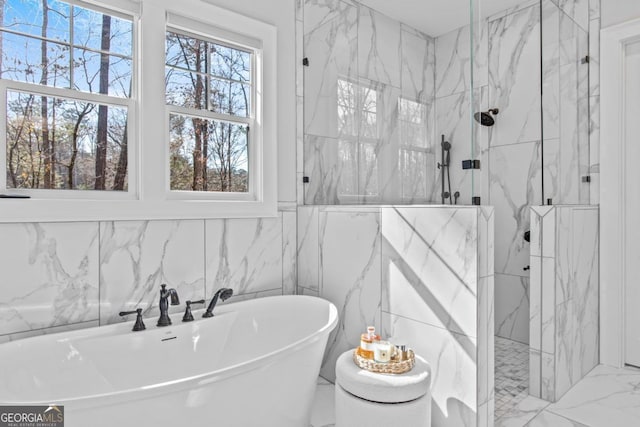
(378,96)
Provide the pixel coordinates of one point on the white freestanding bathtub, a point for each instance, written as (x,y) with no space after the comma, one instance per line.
(255,363)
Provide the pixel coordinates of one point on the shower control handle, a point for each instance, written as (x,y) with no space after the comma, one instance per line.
(527,268)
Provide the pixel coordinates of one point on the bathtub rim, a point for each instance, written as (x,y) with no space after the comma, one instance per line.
(198,380)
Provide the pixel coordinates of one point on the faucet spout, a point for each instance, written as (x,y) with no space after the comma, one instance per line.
(165,295)
(223,294)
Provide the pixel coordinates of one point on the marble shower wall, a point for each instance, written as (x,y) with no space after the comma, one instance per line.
(421,274)
(511,151)
(514,169)
(60,276)
(564,298)
(367,133)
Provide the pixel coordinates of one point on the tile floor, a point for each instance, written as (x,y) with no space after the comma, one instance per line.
(323,410)
(512,375)
(606,397)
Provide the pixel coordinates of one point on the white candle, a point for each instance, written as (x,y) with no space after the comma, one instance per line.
(382,351)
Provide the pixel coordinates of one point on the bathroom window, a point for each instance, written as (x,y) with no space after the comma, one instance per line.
(210,96)
(416,152)
(185,128)
(67,79)
(358,132)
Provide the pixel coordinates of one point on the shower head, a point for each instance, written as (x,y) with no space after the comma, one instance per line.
(485,118)
(446,145)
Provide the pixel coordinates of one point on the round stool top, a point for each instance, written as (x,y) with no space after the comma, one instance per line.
(384,388)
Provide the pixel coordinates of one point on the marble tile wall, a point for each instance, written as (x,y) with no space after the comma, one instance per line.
(514,168)
(59,276)
(414,272)
(569,31)
(564,298)
(367,128)
(454,103)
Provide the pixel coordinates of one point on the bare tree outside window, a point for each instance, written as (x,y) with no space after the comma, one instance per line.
(75,139)
(209,152)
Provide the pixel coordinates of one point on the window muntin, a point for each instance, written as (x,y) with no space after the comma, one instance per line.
(416,151)
(67,110)
(209,94)
(359,136)
(73,156)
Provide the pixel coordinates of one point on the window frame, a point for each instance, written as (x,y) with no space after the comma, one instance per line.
(177,25)
(130,103)
(151,198)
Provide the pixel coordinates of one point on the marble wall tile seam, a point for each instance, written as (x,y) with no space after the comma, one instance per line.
(453,332)
(511,10)
(555,2)
(16,335)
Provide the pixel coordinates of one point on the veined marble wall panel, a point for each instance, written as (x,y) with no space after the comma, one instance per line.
(136,257)
(350,271)
(577,10)
(50,275)
(378,47)
(577,290)
(453,62)
(514,76)
(331,44)
(418,65)
(429,266)
(453,120)
(244,255)
(564,282)
(428,250)
(453,363)
(362,66)
(515,177)
(308,248)
(324,170)
(289,253)
(512,307)
(91,271)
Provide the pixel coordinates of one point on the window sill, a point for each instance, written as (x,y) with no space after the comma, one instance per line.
(40,210)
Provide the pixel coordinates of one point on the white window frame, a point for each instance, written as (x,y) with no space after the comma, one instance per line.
(77,95)
(150,198)
(182,26)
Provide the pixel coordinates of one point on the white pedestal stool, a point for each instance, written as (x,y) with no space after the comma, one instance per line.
(367,399)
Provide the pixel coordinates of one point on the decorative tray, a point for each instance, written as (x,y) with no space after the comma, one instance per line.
(393,367)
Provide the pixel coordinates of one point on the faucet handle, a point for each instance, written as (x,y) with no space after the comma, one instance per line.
(139,325)
(188,317)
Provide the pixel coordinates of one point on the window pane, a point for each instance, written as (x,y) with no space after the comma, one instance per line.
(87,75)
(55,143)
(230,63)
(185,89)
(26,16)
(102,32)
(186,52)
(22,61)
(208,155)
(230,98)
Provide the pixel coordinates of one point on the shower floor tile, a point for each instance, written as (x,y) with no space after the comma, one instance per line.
(511,375)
